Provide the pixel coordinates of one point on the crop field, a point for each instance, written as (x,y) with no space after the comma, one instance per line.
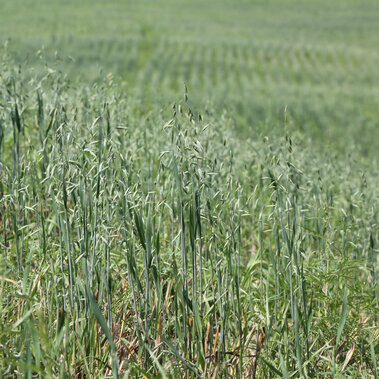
(189,189)
(320,59)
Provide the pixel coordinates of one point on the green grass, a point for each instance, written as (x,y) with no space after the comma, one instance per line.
(320,59)
(226,228)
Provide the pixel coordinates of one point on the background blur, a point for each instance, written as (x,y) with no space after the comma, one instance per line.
(253,58)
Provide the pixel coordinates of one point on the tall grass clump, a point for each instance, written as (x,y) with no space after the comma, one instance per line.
(160,244)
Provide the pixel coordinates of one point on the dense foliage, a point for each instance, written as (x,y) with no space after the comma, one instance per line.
(148,232)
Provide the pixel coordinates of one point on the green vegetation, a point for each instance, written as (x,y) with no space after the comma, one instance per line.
(254,58)
(225,227)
